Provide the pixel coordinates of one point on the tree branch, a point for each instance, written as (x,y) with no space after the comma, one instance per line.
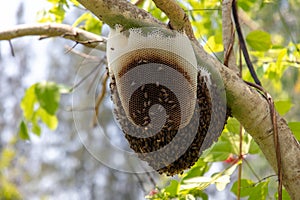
(178,18)
(247,105)
(114,12)
(55,30)
(228,36)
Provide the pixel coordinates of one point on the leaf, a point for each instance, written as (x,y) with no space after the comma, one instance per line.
(93,25)
(218,152)
(246,187)
(222,182)
(198,169)
(233,125)
(58,12)
(63,89)
(283,106)
(76,3)
(81,19)
(23,131)
(254,148)
(36,129)
(190,197)
(28,101)
(295,128)
(259,40)
(7,156)
(285,195)
(173,188)
(213,45)
(48,96)
(260,191)
(254,191)
(50,120)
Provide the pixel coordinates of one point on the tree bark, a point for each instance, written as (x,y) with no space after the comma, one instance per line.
(247,105)
(55,30)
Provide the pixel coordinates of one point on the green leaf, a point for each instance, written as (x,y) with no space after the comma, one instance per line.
(173,188)
(93,25)
(7,156)
(28,102)
(213,44)
(63,89)
(50,120)
(259,40)
(295,128)
(58,12)
(218,152)
(254,191)
(190,197)
(198,169)
(285,195)
(76,3)
(233,125)
(260,191)
(23,131)
(81,19)
(254,148)
(36,129)
(283,106)
(48,96)
(246,187)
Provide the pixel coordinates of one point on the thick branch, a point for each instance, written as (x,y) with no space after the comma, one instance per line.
(121,12)
(53,30)
(178,18)
(247,105)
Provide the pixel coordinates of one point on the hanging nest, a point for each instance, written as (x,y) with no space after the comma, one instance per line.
(193,110)
(143,145)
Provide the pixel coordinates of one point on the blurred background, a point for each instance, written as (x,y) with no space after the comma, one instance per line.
(57,165)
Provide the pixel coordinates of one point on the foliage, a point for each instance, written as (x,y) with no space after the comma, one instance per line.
(273,59)
(40,103)
(58,9)
(8,189)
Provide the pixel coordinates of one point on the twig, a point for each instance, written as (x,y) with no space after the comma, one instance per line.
(240,165)
(11,48)
(81,54)
(275,134)
(251,169)
(85,77)
(100,97)
(277,145)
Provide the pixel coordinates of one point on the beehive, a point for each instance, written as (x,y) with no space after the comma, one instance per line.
(165,104)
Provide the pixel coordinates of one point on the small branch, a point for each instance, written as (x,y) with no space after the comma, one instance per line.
(100,97)
(11,48)
(228,36)
(55,30)
(178,18)
(81,54)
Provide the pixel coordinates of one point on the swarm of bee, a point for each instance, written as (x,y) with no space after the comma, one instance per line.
(183,133)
